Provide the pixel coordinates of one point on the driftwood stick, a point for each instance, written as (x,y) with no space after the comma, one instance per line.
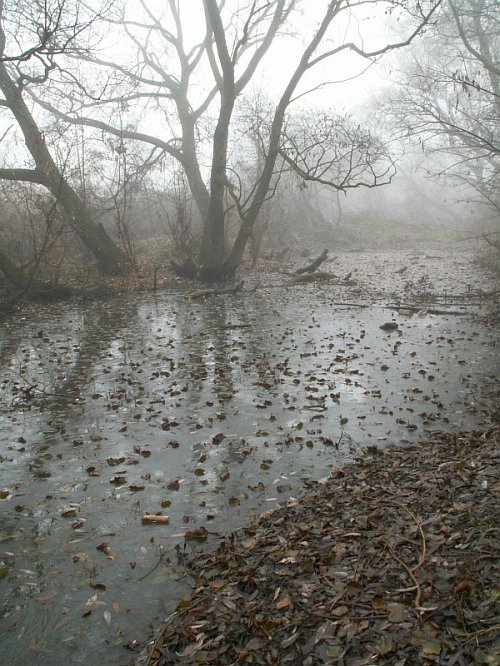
(216,291)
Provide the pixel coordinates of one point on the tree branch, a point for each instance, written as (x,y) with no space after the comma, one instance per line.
(25,175)
(381,51)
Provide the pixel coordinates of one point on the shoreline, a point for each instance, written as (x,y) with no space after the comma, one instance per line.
(391,561)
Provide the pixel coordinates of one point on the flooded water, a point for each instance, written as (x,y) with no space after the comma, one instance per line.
(208,412)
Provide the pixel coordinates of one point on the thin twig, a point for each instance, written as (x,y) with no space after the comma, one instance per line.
(162,553)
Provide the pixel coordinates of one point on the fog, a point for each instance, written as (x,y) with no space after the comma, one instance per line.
(242,243)
(295,124)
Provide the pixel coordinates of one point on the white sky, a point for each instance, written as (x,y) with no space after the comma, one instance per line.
(367,26)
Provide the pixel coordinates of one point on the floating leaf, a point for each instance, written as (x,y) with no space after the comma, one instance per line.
(70,511)
(390,326)
(113,462)
(78,524)
(118,480)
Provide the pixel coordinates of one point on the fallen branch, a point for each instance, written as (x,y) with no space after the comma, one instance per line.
(314,265)
(232,327)
(416,308)
(319,276)
(216,291)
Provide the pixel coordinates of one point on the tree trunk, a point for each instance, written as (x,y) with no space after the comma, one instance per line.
(212,243)
(110,258)
(29,284)
(261,192)
(238,250)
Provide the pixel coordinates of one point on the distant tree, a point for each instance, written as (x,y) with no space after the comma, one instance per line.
(34,243)
(316,149)
(190,88)
(32,35)
(449,97)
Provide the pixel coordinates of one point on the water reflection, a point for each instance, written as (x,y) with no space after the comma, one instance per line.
(207,411)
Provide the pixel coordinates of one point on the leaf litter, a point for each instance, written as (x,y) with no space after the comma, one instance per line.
(209,411)
(392,560)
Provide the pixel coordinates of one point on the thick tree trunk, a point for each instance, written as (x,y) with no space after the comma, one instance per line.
(235,257)
(29,284)
(212,243)
(110,258)
(212,249)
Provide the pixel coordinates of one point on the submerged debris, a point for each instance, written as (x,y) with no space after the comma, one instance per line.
(394,560)
(390,326)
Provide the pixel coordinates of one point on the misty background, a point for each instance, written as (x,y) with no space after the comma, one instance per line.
(389,136)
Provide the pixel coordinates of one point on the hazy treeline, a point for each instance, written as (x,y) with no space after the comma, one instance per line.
(206,126)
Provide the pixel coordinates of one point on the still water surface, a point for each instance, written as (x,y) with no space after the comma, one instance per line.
(207,412)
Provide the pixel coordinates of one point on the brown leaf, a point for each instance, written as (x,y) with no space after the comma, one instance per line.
(283,603)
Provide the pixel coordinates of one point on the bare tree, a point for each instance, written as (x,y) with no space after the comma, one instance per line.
(335,150)
(317,149)
(33,240)
(51,28)
(184,82)
(449,99)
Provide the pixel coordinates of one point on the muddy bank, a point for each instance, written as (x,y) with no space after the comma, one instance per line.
(392,560)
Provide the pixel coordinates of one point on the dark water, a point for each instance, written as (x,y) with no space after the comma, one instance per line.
(208,412)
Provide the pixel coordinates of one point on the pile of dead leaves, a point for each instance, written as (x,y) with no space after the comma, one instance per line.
(394,560)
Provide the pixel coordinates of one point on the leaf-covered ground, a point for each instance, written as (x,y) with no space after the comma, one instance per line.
(394,560)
